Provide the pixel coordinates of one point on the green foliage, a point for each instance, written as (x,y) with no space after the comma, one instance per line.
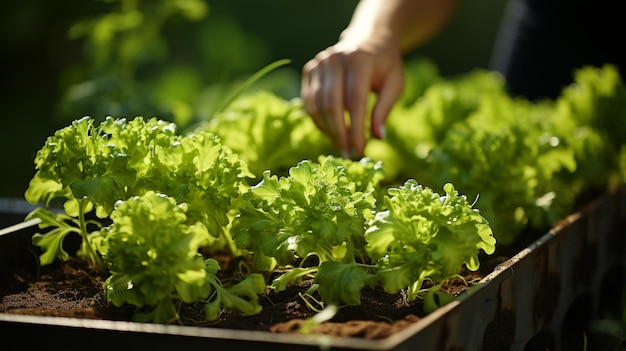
(422,235)
(268,132)
(329,210)
(120,45)
(58,227)
(593,110)
(167,202)
(167,195)
(76,162)
(528,161)
(170,200)
(154,261)
(153,255)
(319,209)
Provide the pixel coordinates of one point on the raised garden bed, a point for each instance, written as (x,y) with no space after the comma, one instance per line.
(179,205)
(539,298)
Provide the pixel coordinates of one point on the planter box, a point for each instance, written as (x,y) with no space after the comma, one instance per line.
(535,300)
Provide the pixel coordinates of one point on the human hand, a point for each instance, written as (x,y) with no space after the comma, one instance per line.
(340,78)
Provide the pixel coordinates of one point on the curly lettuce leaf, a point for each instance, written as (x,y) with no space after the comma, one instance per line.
(423,235)
(153,254)
(341,283)
(79,162)
(212,176)
(317,210)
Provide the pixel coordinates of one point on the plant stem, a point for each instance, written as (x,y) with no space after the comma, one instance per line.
(87,244)
(253,79)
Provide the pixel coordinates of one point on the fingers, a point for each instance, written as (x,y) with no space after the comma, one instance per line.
(358,83)
(322,92)
(339,80)
(331,100)
(309,91)
(388,95)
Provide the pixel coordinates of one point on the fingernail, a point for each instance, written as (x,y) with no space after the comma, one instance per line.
(382,132)
(345,154)
(353,154)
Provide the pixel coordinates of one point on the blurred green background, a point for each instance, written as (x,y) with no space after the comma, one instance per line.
(173,59)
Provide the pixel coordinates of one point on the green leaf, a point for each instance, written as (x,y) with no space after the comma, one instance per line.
(241,297)
(51,242)
(341,283)
(291,276)
(435,298)
(44,190)
(268,132)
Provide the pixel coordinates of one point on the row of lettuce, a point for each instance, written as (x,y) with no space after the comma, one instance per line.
(261,183)
(525,162)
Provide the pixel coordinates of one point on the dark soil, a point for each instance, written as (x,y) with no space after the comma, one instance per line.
(72,289)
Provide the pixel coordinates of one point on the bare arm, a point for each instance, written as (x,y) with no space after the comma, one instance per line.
(411,23)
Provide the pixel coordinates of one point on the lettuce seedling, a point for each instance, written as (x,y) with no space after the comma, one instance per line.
(153,255)
(422,235)
(155,262)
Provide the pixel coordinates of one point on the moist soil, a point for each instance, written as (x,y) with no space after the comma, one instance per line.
(73,289)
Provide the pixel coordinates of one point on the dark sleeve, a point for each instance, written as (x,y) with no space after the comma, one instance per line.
(542,42)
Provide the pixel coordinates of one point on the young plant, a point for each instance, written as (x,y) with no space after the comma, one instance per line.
(423,235)
(317,212)
(155,264)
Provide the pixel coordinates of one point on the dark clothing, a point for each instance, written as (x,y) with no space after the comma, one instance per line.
(543,42)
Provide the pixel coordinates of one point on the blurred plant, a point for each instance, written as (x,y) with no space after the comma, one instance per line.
(143,58)
(119,46)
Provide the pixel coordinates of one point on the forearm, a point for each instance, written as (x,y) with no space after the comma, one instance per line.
(410,23)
